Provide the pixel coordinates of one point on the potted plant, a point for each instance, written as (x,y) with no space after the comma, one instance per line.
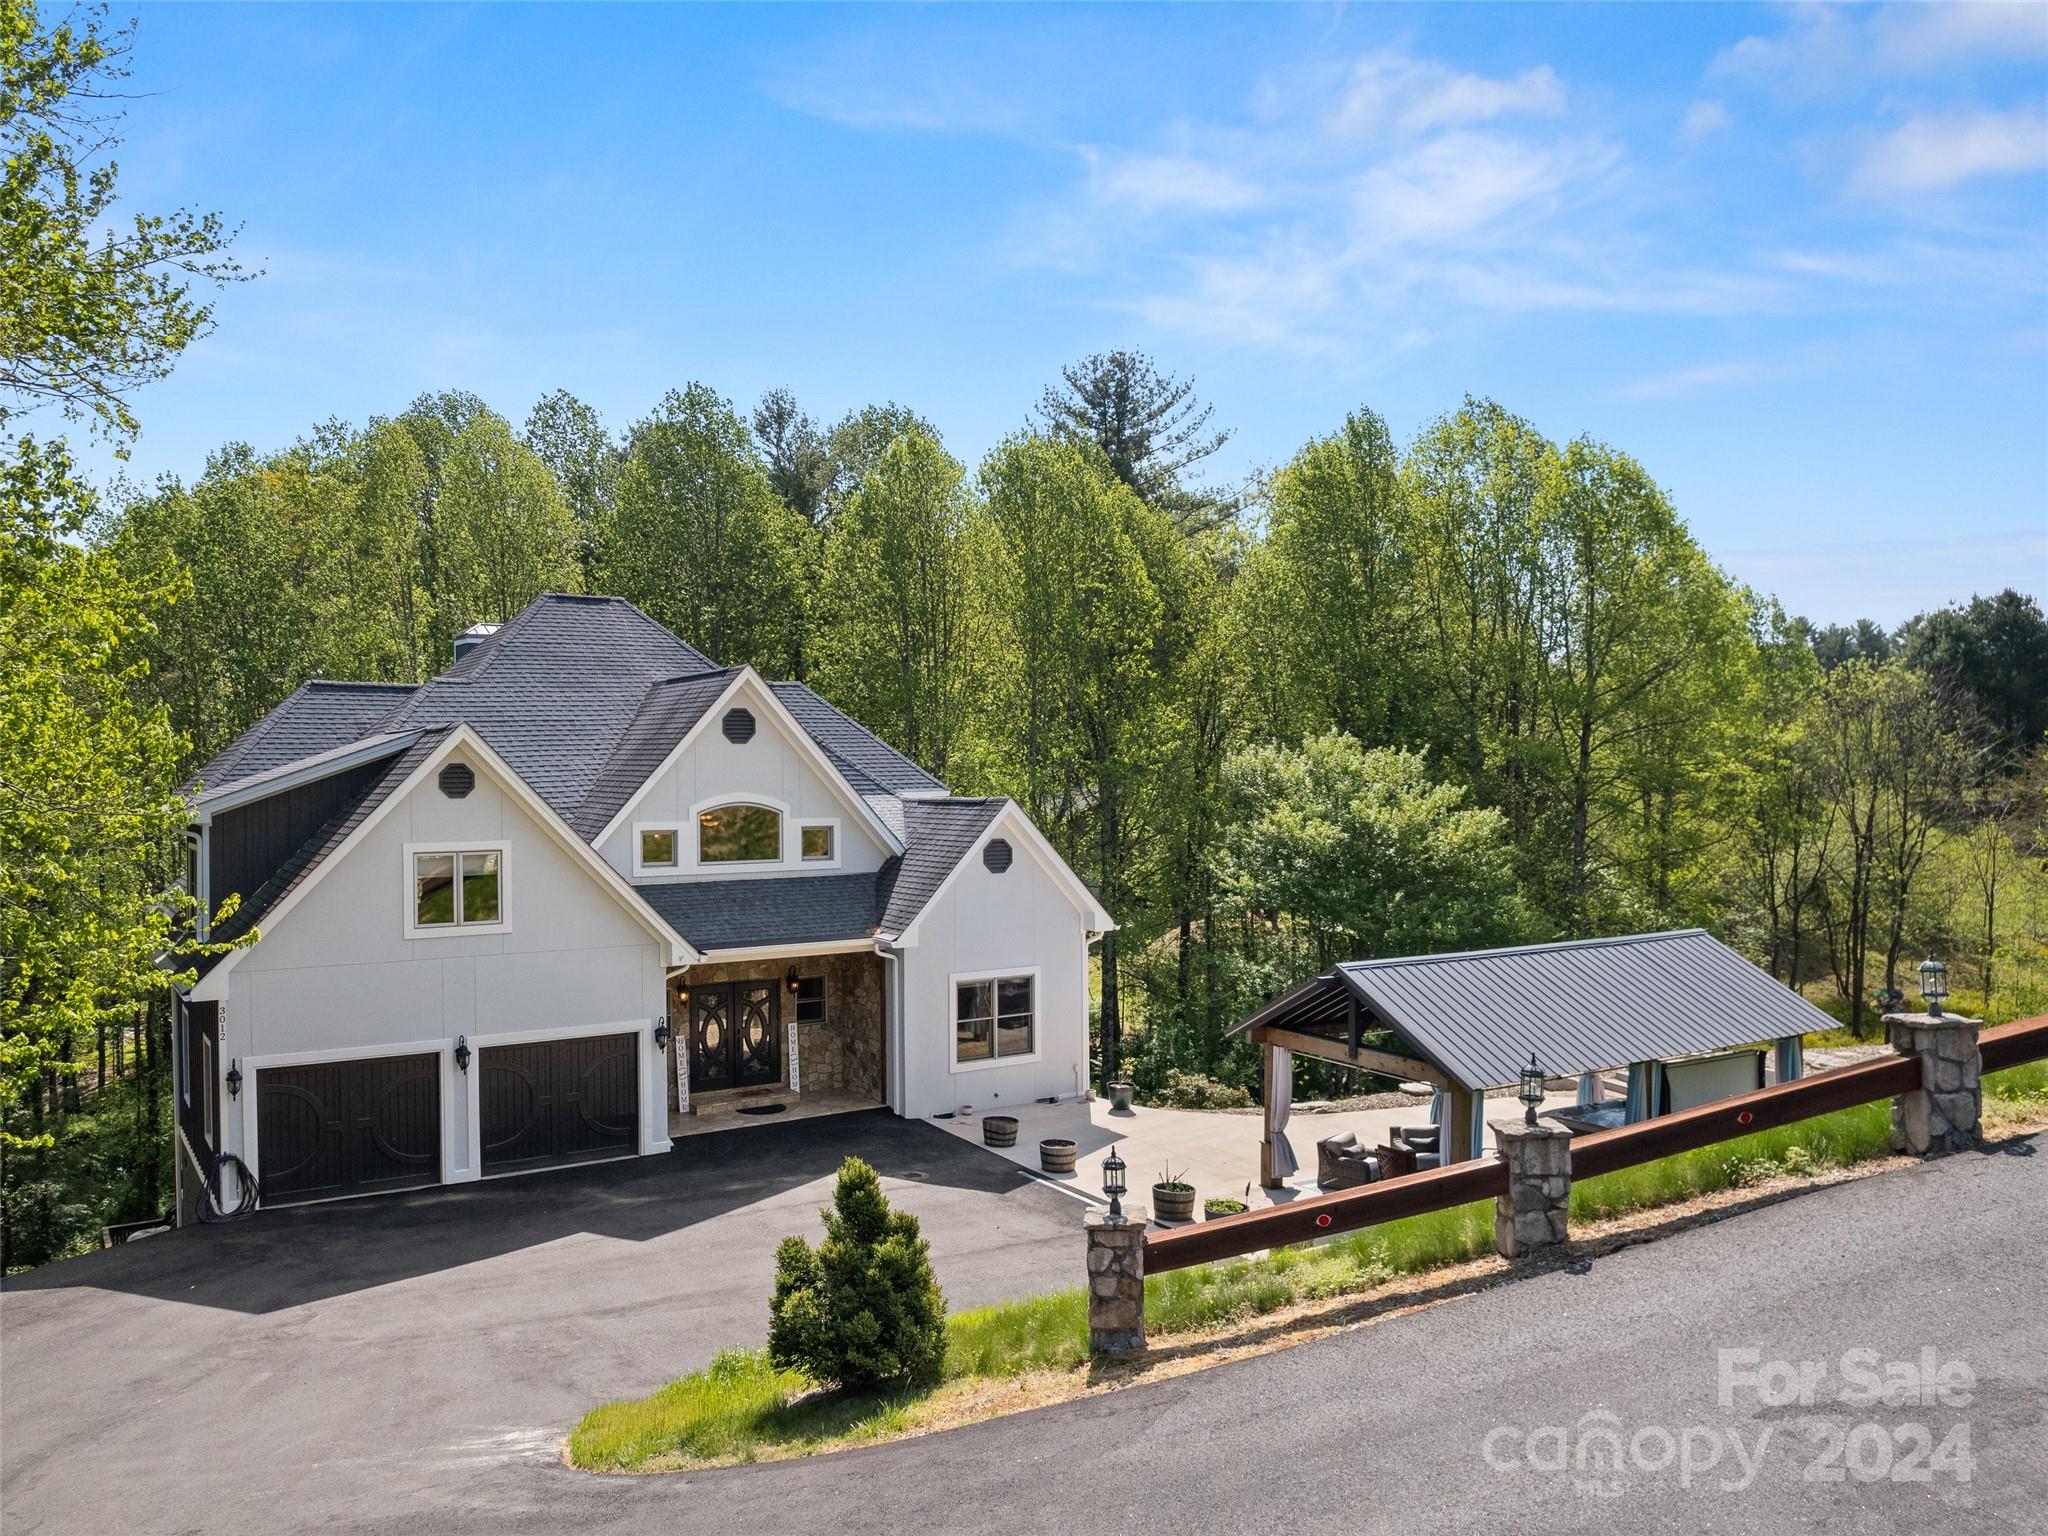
(1211,1209)
(999,1130)
(1056,1154)
(1173,1197)
(1120,1097)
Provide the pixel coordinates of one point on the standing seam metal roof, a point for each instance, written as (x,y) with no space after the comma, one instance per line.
(1581,1006)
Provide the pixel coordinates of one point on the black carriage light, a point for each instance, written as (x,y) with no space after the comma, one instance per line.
(661,1035)
(1532,1090)
(235,1078)
(462,1052)
(1114,1184)
(1933,984)
(791,978)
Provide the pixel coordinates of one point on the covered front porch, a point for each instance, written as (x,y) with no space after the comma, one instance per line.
(776,1036)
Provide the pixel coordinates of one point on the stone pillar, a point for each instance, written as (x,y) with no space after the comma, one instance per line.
(1531,1216)
(1944,1114)
(1116,1283)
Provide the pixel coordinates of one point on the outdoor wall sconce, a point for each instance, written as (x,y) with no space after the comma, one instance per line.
(1532,1090)
(235,1078)
(1933,984)
(1115,1185)
(661,1035)
(462,1052)
(791,978)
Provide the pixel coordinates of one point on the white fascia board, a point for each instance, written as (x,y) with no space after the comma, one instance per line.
(759,692)
(786,951)
(212,986)
(1012,819)
(306,770)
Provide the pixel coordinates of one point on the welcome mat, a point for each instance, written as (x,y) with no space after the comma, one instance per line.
(760,1109)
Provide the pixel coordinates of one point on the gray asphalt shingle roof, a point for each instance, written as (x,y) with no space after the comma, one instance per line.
(1582,1006)
(315,717)
(584,697)
(938,834)
(798,909)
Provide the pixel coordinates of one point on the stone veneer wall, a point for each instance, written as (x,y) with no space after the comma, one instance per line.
(843,1054)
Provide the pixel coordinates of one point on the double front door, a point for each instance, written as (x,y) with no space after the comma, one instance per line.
(734,1041)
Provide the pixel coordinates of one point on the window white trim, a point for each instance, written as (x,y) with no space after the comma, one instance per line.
(1004,973)
(783,858)
(811,823)
(640,866)
(414,929)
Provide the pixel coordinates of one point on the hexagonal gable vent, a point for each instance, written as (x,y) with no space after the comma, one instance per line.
(995,853)
(738,726)
(457,780)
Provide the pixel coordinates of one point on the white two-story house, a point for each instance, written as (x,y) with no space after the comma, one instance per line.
(539,909)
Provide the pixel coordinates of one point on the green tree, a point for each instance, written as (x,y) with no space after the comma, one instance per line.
(903,642)
(1150,428)
(569,437)
(503,531)
(1994,652)
(1350,851)
(97,303)
(863,1309)
(700,540)
(795,454)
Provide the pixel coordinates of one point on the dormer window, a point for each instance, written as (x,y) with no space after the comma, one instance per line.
(820,842)
(739,834)
(658,848)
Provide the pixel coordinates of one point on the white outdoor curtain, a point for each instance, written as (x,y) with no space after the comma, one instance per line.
(1277,1110)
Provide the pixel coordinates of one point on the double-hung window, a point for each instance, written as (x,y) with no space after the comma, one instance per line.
(453,889)
(994,1018)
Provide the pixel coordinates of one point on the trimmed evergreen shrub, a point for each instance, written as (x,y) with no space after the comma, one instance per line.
(863,1309)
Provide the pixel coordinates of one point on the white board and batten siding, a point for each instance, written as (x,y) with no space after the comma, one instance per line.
(983,924)
(337,976)
(767,770)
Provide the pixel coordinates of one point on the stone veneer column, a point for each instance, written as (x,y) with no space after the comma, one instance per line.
(1944,1114)
(1116,1283)
(1531,1216)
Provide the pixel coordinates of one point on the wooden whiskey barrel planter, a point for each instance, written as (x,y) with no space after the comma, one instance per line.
(999,1130)
(1056,1155)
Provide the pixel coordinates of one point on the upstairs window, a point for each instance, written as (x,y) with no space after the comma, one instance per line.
(457,888)
(739,834)
(658,848)
(818,843)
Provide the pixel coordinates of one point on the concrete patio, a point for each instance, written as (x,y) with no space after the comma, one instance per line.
(1215,1150)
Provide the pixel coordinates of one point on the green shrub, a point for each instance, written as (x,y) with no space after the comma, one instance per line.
(1191,1090)
(864,1308)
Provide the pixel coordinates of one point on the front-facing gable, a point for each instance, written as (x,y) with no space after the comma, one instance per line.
(735,744)
(344,900)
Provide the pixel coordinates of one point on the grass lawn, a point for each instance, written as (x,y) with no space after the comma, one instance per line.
(741,1408)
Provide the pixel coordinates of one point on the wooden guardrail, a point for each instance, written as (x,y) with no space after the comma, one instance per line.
(1436,1189)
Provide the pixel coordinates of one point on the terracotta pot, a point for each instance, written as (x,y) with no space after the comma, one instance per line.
(999,1130)
(1173,1204)
(1056,1155)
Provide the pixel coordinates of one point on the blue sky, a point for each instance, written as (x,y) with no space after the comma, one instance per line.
(1796,261)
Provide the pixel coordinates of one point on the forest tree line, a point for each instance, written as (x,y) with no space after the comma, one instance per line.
(1482,687)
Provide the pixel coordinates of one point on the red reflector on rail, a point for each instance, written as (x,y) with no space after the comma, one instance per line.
(1323,1220)
(1744,1118)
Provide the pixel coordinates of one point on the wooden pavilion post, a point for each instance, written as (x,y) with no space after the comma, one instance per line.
(1268,1179)
(1461,1113)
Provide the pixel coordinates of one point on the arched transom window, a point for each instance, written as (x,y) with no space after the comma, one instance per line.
(739,834)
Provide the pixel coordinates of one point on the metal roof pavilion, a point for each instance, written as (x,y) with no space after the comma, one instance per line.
(1585,1005)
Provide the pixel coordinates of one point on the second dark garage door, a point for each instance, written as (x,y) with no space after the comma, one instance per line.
(559,1101)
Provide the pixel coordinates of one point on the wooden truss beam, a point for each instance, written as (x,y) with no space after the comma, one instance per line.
(1365,1058)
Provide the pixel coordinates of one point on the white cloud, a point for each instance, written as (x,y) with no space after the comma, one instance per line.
(1825,48)
(1702,120)
(1392,92)
(1913,38)
(1928,153)
(1146,183)
(1689,381)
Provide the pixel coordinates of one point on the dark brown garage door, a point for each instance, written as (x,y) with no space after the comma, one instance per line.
(348,1127)
(559,1101)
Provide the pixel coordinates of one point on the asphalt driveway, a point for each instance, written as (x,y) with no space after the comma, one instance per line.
(341,1363)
